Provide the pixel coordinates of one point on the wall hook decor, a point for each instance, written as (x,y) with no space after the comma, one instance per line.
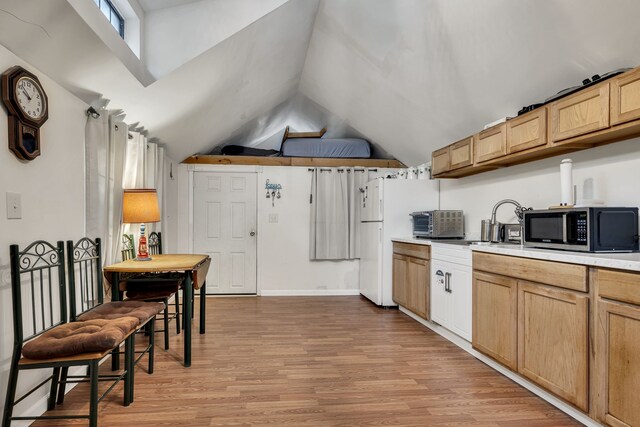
(273,191)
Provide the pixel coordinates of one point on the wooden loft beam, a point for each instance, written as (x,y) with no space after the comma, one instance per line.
(237,160)
(291,161)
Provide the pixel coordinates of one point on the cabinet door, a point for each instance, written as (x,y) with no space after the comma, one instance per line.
(400,279)
(418,286)
(461,154)
(460,296)
(625,98)
(440,161)
(617,359)
(440,301)
(553,331)
(585,112)
(491,143)
(527,131)
(495,316)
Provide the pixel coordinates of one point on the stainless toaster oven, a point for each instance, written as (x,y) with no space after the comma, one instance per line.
(439,224)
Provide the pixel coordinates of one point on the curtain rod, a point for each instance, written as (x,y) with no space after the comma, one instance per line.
(342,170)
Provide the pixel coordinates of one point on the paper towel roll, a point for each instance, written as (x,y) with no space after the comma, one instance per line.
(566,182)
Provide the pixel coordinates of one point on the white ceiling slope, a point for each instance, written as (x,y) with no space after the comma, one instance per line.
(415,75)
(409,75)
(193,108)
(175,35)
(149,5)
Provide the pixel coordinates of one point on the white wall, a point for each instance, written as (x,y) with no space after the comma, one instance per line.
(615,169)
(175,35)
(283,247)
(52,189)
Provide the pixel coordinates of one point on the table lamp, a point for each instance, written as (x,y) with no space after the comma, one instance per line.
(140,206)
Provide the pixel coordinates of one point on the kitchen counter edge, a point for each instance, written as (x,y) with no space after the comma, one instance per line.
(618,261)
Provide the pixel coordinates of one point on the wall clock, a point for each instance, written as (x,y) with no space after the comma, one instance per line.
(27,107)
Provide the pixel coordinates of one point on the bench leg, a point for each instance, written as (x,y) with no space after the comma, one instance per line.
(62,387)
(128,379)
(115,359)
(93,395)
(11,392)
(132,356)
(51,403)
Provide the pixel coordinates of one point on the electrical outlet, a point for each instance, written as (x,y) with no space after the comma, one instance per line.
(14,206)
(273,218)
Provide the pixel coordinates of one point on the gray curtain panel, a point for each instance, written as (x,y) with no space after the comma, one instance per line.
(335,213)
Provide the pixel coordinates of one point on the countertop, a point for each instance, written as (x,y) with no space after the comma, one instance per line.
(620,261)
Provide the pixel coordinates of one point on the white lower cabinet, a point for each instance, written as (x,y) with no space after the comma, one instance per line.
(451,290)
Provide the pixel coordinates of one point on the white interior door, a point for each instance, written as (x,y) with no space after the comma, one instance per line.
(224,227)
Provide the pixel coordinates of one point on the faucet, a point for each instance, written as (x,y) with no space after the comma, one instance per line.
(495,227)
(518,211)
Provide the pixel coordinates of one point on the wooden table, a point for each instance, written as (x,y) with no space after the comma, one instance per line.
(194,267)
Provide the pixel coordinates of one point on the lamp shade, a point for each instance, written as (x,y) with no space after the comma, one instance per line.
(140,206)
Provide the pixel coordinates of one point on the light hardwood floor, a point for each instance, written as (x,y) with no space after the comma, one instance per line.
(318,361)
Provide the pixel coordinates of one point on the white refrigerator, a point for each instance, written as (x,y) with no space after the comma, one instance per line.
(385,207)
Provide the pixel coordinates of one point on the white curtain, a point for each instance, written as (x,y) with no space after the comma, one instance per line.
(105,140)
(117,158)
(335,213)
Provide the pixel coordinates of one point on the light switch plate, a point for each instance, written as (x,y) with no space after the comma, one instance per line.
(14,206)
(273,218)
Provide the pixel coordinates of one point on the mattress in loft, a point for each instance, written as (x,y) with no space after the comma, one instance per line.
(326,147)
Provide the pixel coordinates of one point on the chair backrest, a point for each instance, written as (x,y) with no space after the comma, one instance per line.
(38,289)
(84,266)
(128,247)
(155,243)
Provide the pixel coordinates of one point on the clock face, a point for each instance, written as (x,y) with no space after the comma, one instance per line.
(30,98)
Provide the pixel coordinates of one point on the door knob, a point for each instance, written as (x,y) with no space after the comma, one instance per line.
(253,233)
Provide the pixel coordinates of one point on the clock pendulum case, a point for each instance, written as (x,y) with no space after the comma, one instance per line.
(27,107)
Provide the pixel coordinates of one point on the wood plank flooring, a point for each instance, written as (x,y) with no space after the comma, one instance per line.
(317,361)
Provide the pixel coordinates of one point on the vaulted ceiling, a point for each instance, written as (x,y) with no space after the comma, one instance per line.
(409,75)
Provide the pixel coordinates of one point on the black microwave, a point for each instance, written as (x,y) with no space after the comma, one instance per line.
(583,229)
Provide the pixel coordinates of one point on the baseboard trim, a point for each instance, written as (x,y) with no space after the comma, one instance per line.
(309,292)
(466,346)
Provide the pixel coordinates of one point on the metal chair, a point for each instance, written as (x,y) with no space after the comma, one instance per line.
(38,275)
(128,247)
(86,296)
(153,287)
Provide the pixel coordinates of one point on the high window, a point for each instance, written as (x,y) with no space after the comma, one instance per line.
(112,15)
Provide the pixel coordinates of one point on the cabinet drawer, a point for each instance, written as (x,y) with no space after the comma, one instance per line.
(527,131)
(416,251)
(618,285)
(440,161)
(625,98)
(491,143)
(569,276)
(579,114)
(461,154)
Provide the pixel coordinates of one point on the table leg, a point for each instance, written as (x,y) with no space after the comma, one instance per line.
(115,296)
(203,307)
(187,309)
(115,286)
